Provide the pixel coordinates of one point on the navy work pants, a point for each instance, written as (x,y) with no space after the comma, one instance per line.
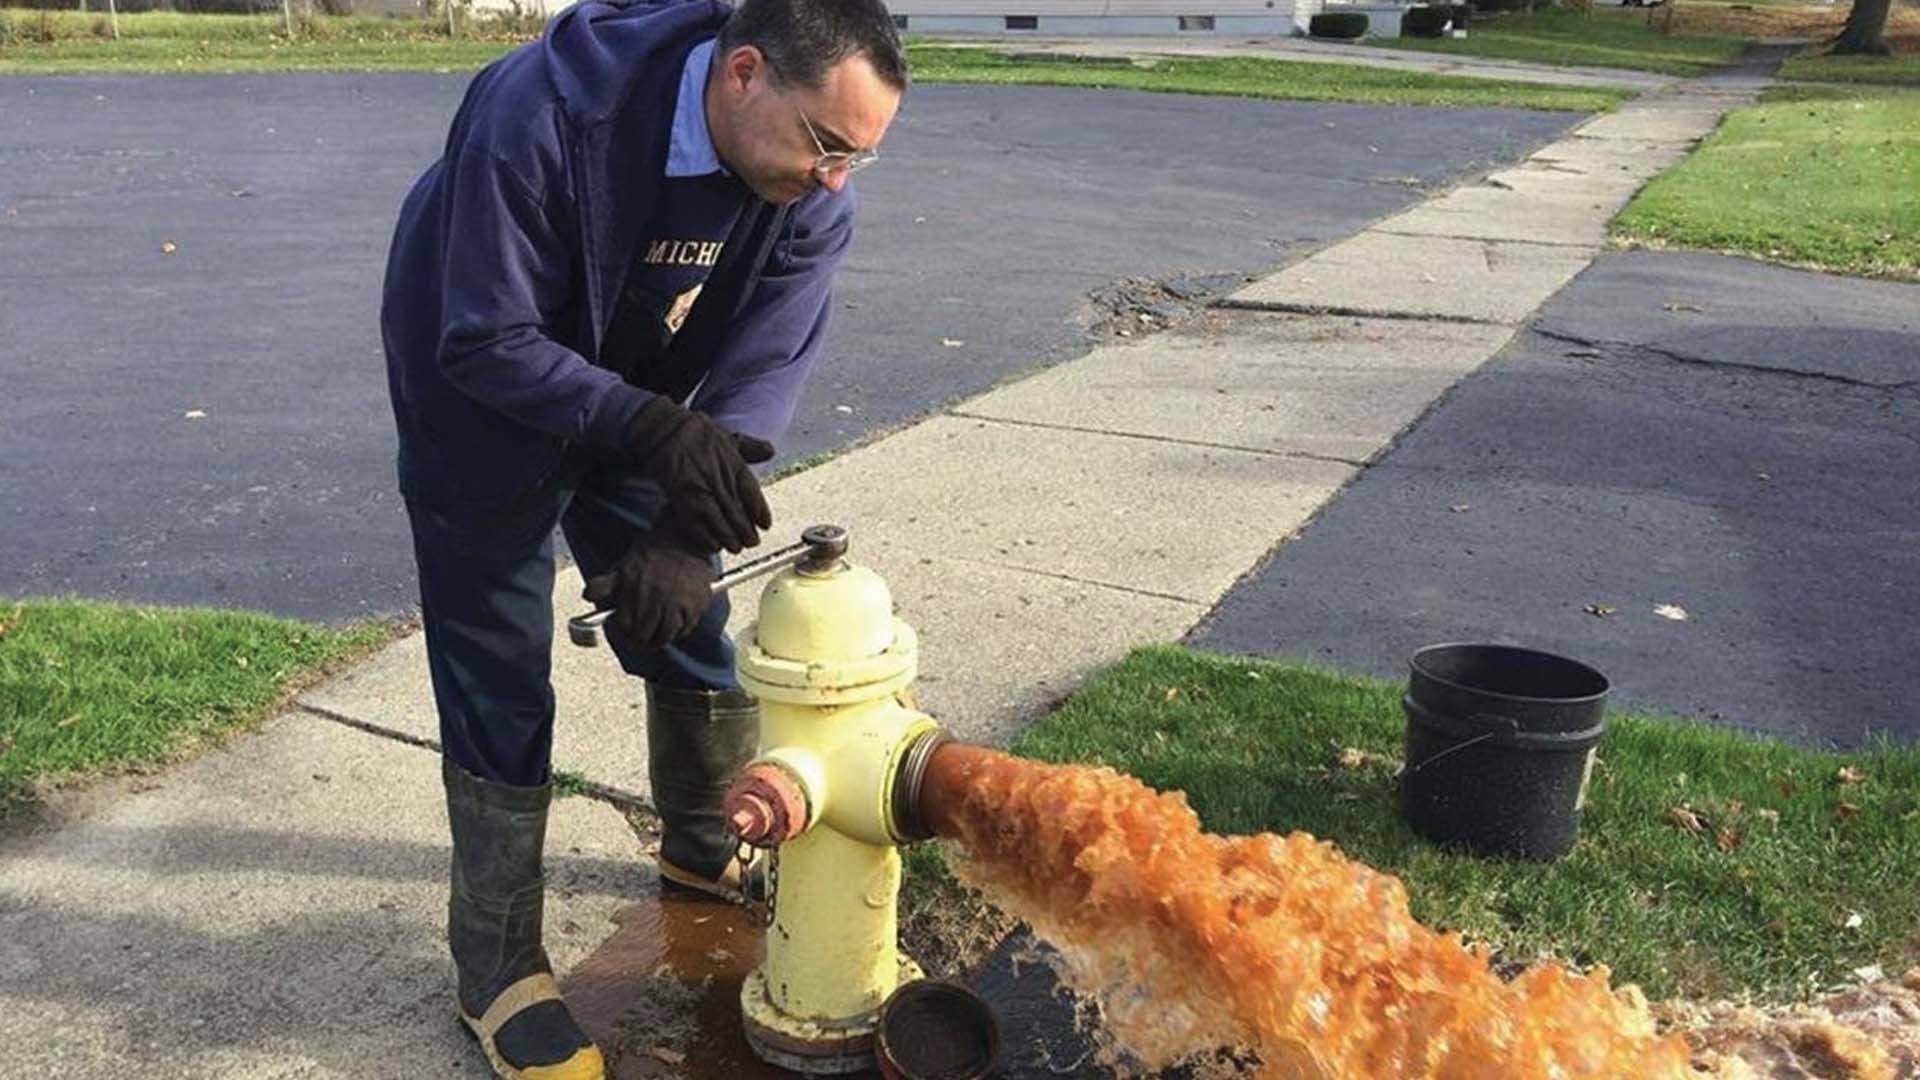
(486,586)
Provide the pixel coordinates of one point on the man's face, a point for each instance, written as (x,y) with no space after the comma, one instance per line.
(782,139)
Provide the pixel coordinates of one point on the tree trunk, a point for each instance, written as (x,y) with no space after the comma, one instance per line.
(1866,29)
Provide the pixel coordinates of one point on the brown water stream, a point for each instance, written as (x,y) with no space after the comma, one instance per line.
(1279,945)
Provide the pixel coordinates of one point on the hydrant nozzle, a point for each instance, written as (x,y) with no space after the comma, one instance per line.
(767,806)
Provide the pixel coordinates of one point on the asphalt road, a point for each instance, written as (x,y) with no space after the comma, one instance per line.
(994,214)
(1736,440)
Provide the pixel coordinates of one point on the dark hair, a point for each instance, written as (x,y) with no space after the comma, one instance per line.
(804,39)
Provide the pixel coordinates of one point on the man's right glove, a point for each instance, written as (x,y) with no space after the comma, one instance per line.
(659,590)
(712,497)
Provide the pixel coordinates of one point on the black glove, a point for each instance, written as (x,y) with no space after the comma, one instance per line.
(713,497)
(659,589)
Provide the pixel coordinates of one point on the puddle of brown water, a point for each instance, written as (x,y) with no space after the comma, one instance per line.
(662,995)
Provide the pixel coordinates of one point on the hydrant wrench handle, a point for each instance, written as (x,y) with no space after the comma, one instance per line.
(820,545)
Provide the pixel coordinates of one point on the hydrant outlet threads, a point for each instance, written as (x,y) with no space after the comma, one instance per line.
(908,822)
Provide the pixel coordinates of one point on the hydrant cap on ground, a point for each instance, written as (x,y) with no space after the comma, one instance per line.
(827,637)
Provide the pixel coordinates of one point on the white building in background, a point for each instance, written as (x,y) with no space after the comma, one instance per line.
(1058,18)
(1052,18)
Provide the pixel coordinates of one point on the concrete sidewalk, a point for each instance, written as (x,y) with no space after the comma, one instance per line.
(274,909)
(1307,50)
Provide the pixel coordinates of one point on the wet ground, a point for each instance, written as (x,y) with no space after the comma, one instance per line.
(210,425)
(661,996)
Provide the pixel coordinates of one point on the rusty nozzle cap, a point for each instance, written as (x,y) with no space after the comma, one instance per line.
(766,806)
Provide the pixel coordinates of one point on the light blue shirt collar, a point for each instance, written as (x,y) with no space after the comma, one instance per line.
(690,149)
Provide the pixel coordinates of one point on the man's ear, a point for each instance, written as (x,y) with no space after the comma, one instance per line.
(742,66)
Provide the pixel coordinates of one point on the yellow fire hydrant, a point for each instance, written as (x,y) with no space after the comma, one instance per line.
(834,791)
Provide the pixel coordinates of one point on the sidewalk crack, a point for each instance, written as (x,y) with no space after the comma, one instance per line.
(1732,365)
(1307,455)
(1094,582)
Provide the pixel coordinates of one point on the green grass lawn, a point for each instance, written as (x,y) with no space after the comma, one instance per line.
(1607,39)
(1816,66)
(1763,899)
(87,688)
(1814,175)
(37,42)
(69,42)
(1247,77)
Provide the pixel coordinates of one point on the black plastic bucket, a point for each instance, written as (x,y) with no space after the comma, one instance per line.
(1500,744)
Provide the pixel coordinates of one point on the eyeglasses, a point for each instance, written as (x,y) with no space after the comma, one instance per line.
(833,161)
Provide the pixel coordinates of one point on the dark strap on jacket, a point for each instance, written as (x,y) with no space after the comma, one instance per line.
(722,299)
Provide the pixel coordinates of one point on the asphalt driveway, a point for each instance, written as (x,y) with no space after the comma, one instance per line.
(1736,441)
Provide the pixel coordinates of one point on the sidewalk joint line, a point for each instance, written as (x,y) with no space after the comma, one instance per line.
(1575,244)
(1287,307)
(1143,437)
(619,798)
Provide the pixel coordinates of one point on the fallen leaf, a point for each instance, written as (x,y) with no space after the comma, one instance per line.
(1172,692)
(1352,757)
(1460,508)
(1849,775)
(1686,819)
(951,343)
(1762,476)
(1771,817)
(1846,811)
(168,247)
(1671,611)
(1734,806)
(240,661)
(195,414)
(1854,921)
(668,1057)
(7,624)
(1600,610)
(1725,838)
(1870,973)
(1777,927)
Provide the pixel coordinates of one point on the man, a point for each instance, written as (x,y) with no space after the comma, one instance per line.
(600,305)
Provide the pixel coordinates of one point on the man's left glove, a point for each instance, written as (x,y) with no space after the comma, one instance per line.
(659,590)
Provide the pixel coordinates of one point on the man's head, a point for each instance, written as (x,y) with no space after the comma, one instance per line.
(802,91)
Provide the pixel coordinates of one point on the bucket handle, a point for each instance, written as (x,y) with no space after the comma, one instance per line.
(1499,725)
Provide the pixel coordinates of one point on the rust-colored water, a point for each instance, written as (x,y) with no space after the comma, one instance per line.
(661,996)
(1277,945)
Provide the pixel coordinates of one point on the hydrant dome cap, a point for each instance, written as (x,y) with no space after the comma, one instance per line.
(843,615)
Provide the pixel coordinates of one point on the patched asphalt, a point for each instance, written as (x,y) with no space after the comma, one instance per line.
(997,211)
(1737,441)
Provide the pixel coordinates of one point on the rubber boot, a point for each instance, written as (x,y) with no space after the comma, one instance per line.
(508,998)
(696,741)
